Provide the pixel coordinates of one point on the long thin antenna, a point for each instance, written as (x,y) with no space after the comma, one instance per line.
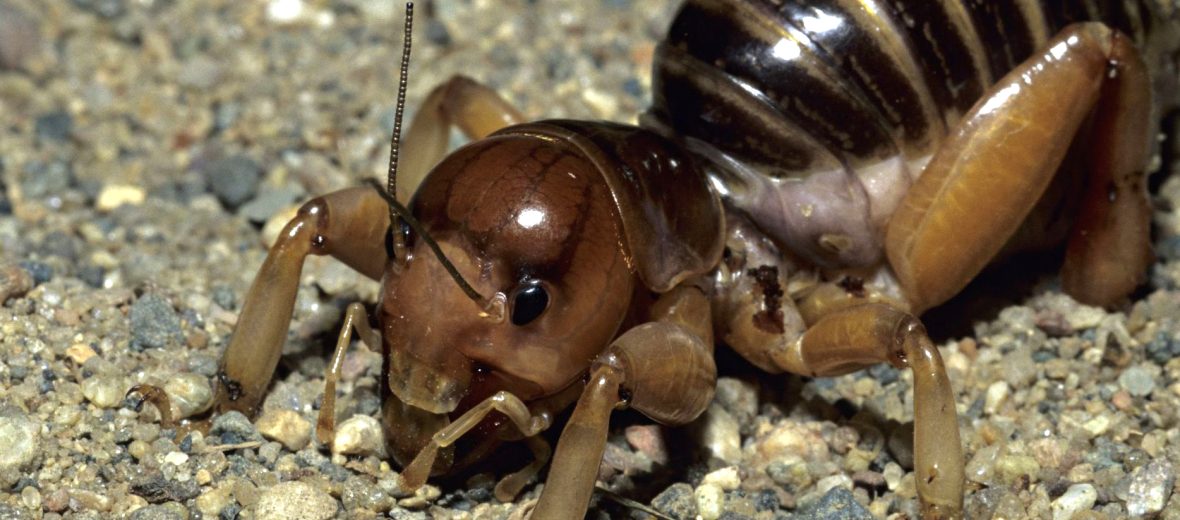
(394,142)
(397,212)
(400,211)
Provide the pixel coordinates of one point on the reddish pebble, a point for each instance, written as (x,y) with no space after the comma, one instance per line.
(648,439)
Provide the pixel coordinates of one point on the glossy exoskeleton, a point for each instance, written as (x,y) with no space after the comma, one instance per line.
(813,175)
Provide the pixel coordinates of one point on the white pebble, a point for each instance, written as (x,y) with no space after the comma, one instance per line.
(176,458)
(710,501)
(721,435)
(997,395)
(725,478)
(115,195)
(359,435)
(1079,497)
(190,393)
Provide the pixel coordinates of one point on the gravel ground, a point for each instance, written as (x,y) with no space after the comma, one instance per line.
(147,143)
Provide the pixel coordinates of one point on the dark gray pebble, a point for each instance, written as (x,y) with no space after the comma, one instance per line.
(154,323)
(41,272)
(676,501)
(838,504)
(156,489)
(54,126)
(234,428)
(234,179)
(45,179)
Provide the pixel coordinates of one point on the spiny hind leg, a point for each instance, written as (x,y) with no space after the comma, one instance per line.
(995,165)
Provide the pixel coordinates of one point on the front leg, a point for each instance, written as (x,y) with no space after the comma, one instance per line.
(662,368)
(350,225)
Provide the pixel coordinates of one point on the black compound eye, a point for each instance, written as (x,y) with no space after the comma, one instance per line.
(529,302)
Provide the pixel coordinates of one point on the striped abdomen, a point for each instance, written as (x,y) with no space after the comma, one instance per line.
(821,112)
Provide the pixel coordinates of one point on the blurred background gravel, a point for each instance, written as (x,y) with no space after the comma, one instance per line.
(145,145)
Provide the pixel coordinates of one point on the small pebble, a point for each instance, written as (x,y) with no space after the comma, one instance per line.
(176,458)
(154,323)
(710,501)
(287,427)
(648,440)
(1137,381)
(20,38)
(721,435)
(295,501)
(1011,467)
(234,428)
(838,504)
(14,281)
(54,126)
(725,478)
(997,394)
(20,445)
(158,512)
(359,435)
(190,393)
(1079,497)
(234,179)
(115,195)
(104,390)
(677,501)
(1150,488)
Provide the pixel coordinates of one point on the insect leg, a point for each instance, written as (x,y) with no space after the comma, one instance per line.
(858,337)
(992,169)
(1110,245)
(415,473)
(354,318)
(460,102)
(351,226)
(663,369)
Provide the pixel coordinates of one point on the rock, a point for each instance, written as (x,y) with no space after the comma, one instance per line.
(997,395)
(837,504)
(1011,467)
(190,393)
(677,501)
(54,126)
(1150,488)
(157,512)
(40,271)
(20,38)
(115,195)
(105,390)
(287,427)
(268,203)
(295,501)
(155,488)
(359,435)
(15,281)
(901,445)
(648,440)
(234,428)
(720,434)
(154,323)
(710,501)
(739,398)
(1079,497)
(725,478)
(20,446)
(1137,381)
(234,180)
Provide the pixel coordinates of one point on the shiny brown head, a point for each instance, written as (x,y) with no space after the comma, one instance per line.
(530,220)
